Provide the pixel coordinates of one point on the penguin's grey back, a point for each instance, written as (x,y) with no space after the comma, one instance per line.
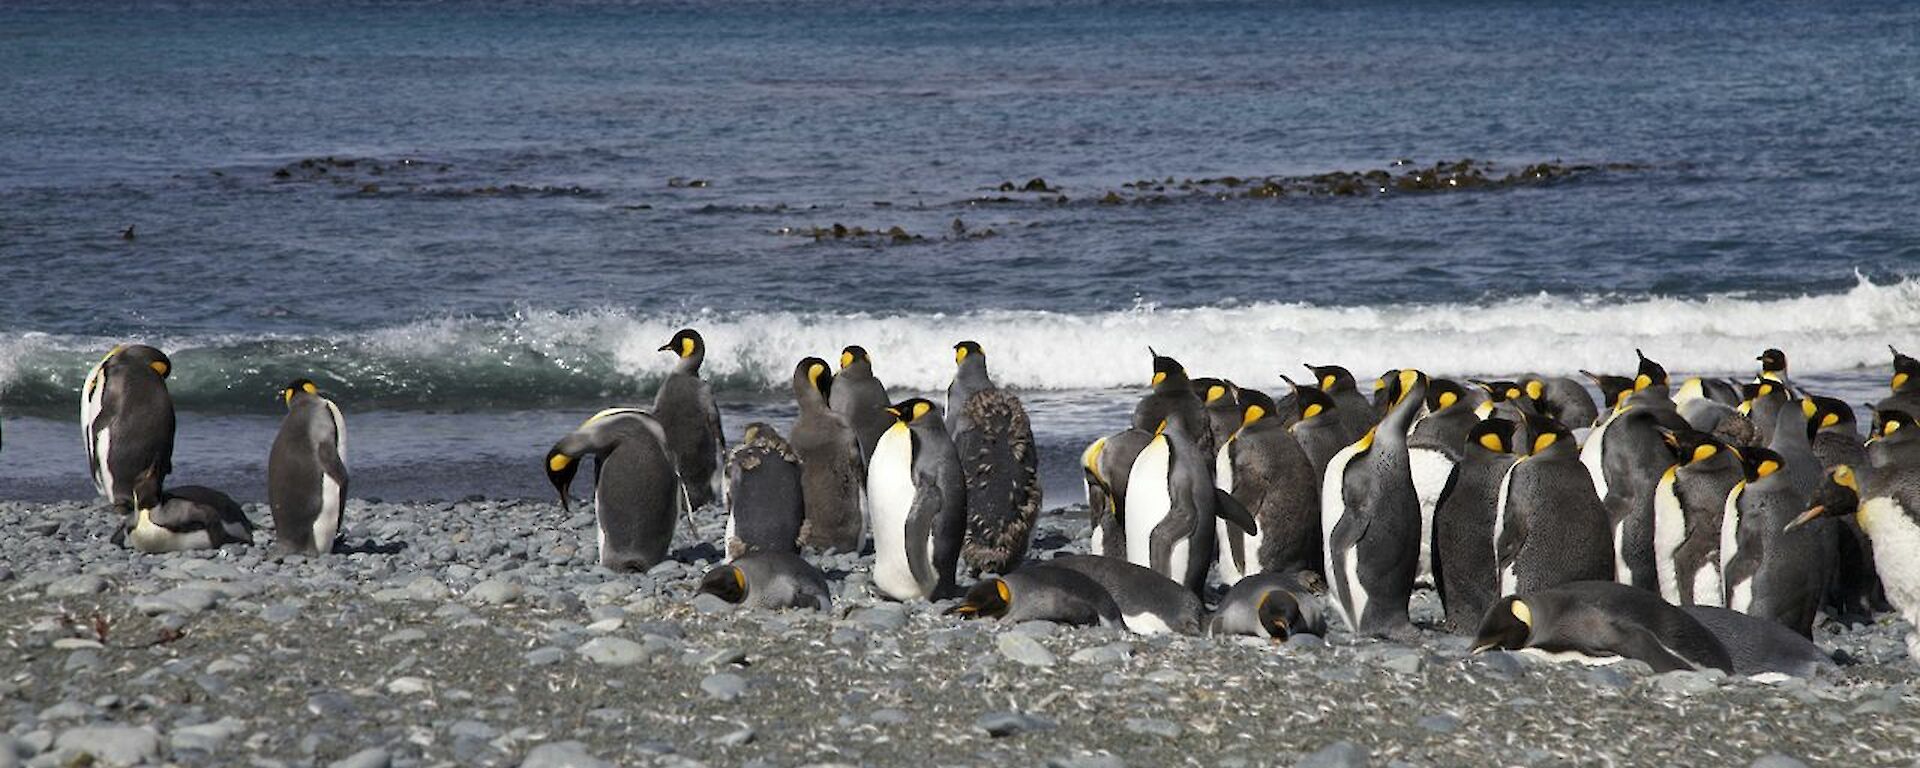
(1757,646)
(783,580)
(687,412)
(1148,601)
(1567,536)
(1274,479)
(1000,462)
(764,504)
(862,399)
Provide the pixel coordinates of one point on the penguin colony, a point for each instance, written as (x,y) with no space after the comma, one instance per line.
(1706,526)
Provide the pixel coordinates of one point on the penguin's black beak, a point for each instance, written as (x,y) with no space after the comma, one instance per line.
(667,347)
(560,471)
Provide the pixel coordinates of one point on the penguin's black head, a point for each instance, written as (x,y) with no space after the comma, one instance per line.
(912,411)
(1691,445)
(1838,496)
(1279,613)
(1544,432)
(296,387)
(853,354)
(686,343)
(726,582)
(1443,394)
(1400,384)
(1535,388)
(1382,399)
(990,597)
(1312,401)
(1651,374)
(1893,425)
(1256,405)
(1492,434)
(1772,361)
(1507,626)
(1826,413)
(1216,393)
(143,355)
(561,467)
(1502,391)
(1331,378)
(967,349)
(1757,463)
(1613,389)
(817,374)
(1753,392)
(1169,374)
(1906,370)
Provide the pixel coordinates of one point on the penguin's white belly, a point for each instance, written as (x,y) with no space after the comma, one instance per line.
(1145,624)
(1707,589)
(1592,455)
(1094,543)
(103,471)
(1431,469)
(1230,573)
(732,536)
(1892,531)
(1740,595)
(327,525)
(1669,531)
(1349,598)
(1730,528)
(1509,579)
(153,539)
(1621,573)
(1148,504)
(890,494)
(1573,657)
(1098,545)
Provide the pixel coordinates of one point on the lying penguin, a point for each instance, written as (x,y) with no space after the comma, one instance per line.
(766,579)
(1041,592)
(1272,605)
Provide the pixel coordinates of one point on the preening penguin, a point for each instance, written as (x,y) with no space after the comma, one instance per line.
(1905,386)
(1355,412)
(188,517)
(126,420)
(1174,393)
(1561,398)
(1370,519)
(1106,464)
(1887,507)
(1149,602)
(1770,572)
(686,409)
(1041,592)
(1688,505)
(1599,622)
(832,474)
(918,501)
(1275,605)
(1704,413)
(1550,527)
(1435,445)
(1264,469)
(1172,504)
(1001,464)
(637,497)
(772,580)
(307,472)
(861,398)
(764,505)
(1855,592)
(1463,563)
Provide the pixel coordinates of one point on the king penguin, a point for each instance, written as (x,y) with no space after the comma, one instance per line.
(637,496)
(1105,465)
(1370,519)
(1041,592)
(1768,571)
(1599,622)
(1688,505)
(764,505)
(1150,603)
(686,409)
(832,473)
(1613,394)
(187,517)
(918,501)
(1433,448)
(307,472)
(126,420)
(1550,527)
(770,580)
(1763,401)
(1001,463)
(1887,507)
(1704,413)
(1320,433)
(1354,411)
(1275,605)
(1905,386)
(1773,367)
(1562,398)
(861,398)
(1463,564)
(1174,393)
(1625,455)
(1221,400)
(1264,469)
(1172,504)
(1855,592)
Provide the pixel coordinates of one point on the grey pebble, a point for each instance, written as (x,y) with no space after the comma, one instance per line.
(724,686)
(77,586)
(890,716)
(1686,682)
(562,754)
(543,656)
(1340,754)
(614,651)
(111,745)
(1024,650)
(372,757)
(1100,655)
(1165,729)
(1002,724)
(880,617)
(1087,761)
(737,738)
(1439,723)
(1777,760)
(711,604)
(494,592)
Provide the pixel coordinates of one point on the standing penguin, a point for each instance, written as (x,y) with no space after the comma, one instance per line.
(764,505)
(1613,393)
(1370,519)
(1764,400)
(1172,503)
(1855,592)
(1625,455)
(1106,464)
(1435,445)
(1887,506)
(1550,527)
(1264,469)
(685,407)
(918,501)
(637,496)
(862,398)
(1905,386)
(188,517)
(126,420)
(1688,505)
(1354,411)
(1562,398)
(1773,367)
(307,472)
(1173,393)
(1000,461)
(1321,433)
(1768,571)
(831,471)
(1464,571)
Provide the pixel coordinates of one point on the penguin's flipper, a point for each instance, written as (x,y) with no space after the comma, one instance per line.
(184,516)
(1513,533)
(920,520)
(1637,642)
(1231,510)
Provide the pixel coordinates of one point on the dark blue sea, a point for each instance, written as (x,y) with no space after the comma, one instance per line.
(473,223)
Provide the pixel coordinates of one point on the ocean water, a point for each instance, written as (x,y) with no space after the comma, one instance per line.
(474,223)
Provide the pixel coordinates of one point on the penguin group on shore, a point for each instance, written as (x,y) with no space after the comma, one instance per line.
(1708,528)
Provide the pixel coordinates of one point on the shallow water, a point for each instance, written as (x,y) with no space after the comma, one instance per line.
(538,196)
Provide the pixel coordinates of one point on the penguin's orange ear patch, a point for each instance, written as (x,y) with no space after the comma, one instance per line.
(158,367)
(310,388)
(920,409)
(1000,586)
(740,578)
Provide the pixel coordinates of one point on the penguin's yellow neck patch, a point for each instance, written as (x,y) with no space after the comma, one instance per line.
(1484,409)
(1899,381)
(740,579)
(1808,408)
(960,354)
(1843,475)
(1366,440)
(1091,459)
(686,346)
(1327,382)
